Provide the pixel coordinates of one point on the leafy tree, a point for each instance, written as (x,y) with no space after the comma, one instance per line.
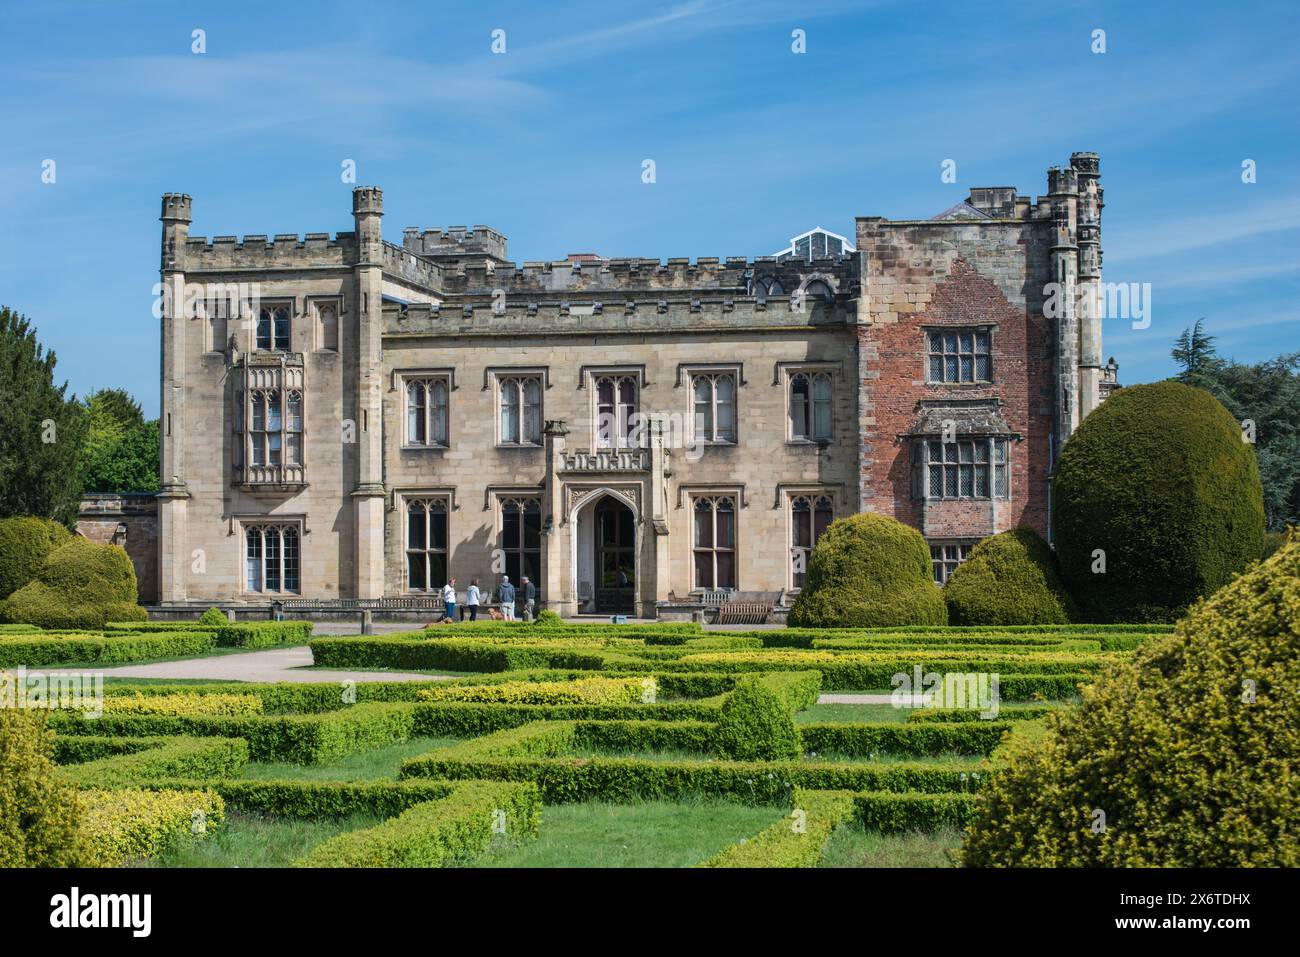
(121,448)
(41,428)
(1264,393)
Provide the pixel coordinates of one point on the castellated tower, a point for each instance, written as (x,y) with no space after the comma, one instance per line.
(368,495)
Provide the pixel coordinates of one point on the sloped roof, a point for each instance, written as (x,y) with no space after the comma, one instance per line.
(962,210)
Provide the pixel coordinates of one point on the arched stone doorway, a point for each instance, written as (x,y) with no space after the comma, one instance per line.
(607,545)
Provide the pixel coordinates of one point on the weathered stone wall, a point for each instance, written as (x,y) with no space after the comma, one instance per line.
(130,521)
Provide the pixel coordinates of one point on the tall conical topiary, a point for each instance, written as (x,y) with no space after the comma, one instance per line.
(1008,579)
(866,571)
(1156,502)
(1186,756)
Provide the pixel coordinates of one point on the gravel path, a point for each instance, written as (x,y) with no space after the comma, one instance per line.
(277,664)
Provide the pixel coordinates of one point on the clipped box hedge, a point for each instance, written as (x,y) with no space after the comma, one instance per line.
(588,690)
(439,833)
(441,655)
(317,800)
(795,841)
(892,812)
(183,704)
(129,824)
(297,739)
(915,740)
(182,757)
(47,651)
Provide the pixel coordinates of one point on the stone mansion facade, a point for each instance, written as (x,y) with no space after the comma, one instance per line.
(346,418)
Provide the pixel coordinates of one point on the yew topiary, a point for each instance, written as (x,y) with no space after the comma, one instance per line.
(1008,579)
(25,543)
(756,725)
(82,584)
(866,571)
(1156,502)
(1187,756)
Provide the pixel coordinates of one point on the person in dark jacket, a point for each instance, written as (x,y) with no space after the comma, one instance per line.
(506,595)
(530,598)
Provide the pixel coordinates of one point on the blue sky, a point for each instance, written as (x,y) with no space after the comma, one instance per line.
(752,143)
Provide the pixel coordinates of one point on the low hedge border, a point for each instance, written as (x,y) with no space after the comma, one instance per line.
(893,812)
(439,655)
(795,841)
(455,719)
(951,715)
(79,748)
(915,740)
(622,780)
(183,757)
(297,739)
(46,651)
(448,831)
(317,800)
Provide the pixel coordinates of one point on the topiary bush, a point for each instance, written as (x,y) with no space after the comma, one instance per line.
(756,725)
(213,616)
(1191,750)
(81,585)
(25,542)
(1159,480)
(1009,579)
(867,571)
(40,822)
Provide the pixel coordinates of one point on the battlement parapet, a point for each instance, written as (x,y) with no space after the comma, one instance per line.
(257,251)
(522,315)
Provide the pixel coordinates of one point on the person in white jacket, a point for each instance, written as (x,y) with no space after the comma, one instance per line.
(449,600)
(472,599)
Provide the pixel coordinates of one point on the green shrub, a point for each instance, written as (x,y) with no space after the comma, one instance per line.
(624,691)
(177,704)
(916,740)
(39,651)
(1008,579)
(795,841)
(869,570)
(215,617)
(262,634)
(1192,750)
(297,739)
(547,618)
(756,725)
(40,819)
(445,832)
(316,800)
(183,757)
(1272,542)
(895,813)
(1159,480)
(130,824)
(81,584)
(25,542)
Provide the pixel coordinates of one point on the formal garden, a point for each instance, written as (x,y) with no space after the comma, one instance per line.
(1125,697)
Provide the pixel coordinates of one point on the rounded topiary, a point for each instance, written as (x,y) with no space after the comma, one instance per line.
(1157,488)
(39,814)
(869,570)
(25,542)
(547,619)
(1191,750)
(213,616)
(755,725)
(1008,579)
(81,585)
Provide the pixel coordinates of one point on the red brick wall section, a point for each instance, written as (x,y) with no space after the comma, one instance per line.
(894,374)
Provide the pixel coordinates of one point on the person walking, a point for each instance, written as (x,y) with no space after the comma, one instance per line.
(506,595)
(530,598)
(449,600)
(472,599)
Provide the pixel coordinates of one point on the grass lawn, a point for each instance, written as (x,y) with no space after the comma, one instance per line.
(245,840)
(647,834)
(381,763)
(853,846)
(841,713)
